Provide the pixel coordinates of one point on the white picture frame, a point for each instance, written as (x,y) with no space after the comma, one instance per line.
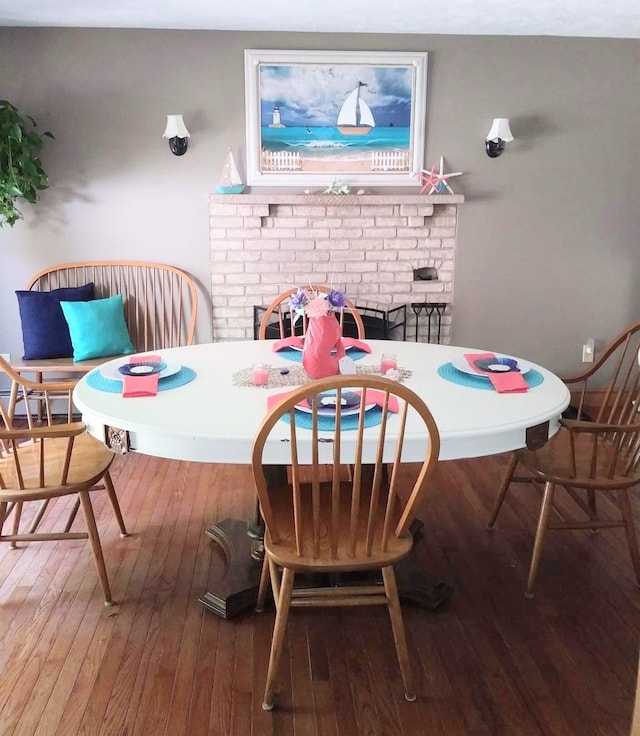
(314,117)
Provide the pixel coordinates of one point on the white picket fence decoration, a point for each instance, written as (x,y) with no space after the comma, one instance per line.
(389,160)
(281,161)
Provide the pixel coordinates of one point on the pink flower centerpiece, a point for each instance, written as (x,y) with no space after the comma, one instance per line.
(323,346)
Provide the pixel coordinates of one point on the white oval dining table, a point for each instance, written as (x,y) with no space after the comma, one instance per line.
(212,419)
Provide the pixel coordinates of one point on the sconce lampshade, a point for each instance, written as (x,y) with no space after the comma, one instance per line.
(177,133)
(498,135)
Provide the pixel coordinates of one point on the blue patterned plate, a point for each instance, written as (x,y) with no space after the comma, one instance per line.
(144,368)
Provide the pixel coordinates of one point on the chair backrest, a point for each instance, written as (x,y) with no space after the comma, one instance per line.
(160,302)
(52,455)
(360,518)
(280,316)
(605,452)
(614,377)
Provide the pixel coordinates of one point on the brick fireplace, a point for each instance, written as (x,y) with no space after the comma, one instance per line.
(384,250)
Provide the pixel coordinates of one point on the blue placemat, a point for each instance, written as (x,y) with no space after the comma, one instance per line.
(372,417)
(296,355)
(100,383)
(449,373)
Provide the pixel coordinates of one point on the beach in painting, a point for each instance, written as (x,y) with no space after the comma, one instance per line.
(325,149)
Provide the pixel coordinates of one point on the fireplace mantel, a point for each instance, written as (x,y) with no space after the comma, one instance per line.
(337,199)
(370,245)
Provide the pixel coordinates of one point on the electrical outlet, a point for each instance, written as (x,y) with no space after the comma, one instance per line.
(588,351)
(6,356)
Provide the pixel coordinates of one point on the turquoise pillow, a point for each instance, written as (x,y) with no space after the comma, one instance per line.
(97,328)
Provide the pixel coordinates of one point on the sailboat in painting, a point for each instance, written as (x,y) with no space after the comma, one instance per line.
(230,181)
(355,116)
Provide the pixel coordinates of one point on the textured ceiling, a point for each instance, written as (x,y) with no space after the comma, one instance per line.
(616,18)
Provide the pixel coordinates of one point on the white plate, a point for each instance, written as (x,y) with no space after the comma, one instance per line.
(462,364)
(111,370)
(332,412)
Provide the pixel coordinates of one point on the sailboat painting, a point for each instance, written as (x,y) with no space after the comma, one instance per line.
(230,181)
(315,116)
(355,116)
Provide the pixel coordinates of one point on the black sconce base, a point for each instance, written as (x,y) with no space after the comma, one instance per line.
(178,146)
(494,148)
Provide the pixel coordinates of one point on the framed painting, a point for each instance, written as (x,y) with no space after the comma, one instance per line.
(313,117)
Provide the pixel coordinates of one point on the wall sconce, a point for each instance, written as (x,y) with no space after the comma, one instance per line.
(177,133)
(499,134)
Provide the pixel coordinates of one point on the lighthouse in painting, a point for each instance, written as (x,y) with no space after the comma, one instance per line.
(276,118)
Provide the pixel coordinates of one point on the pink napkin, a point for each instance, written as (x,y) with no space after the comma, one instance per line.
(351,342)
(373,397)
(504,383)
(144,385)
(295,341)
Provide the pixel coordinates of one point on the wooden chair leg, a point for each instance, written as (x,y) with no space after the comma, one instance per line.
(279,630)
(506,482)
(274,576)
(264,583)
(15,526)
(111,492)
(630,530)
(35,523)
(94,538)
(543,525)
(397,626)
(72,515)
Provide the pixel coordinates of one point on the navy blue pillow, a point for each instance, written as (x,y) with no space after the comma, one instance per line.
(45,332)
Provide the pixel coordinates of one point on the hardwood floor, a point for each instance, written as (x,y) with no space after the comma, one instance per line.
(490,662)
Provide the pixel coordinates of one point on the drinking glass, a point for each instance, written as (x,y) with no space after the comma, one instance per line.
(388,362)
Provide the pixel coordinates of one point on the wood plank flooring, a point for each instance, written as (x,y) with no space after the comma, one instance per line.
(490,662)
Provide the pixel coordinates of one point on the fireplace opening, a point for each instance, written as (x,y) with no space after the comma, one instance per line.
(379,324)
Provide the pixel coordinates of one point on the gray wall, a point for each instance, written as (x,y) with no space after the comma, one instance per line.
(548,238)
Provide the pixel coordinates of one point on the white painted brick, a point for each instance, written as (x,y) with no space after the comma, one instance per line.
(267,292)
(380,232)
(223,210)
(349,255)
(313,256)
(227,245)
(344,211)
(327,222)
(261,244)
(313,233)
(412,232)
(377,210)
(309,211)
(367,244)
(240,233)
(358,222)
(378,277)
(242,278)
(289,222)
(442,232)
(279,232)
(393,222)
(297,245)
(332,244)
(342,233)
(402,244)
(241,256)
(381,255)
(228,222)
(444,221)
(217,233)
(228,268)
(219,256)
(416,221)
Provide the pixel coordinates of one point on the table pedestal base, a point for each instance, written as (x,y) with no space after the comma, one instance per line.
(237,589)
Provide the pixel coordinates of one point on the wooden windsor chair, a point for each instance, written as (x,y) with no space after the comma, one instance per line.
(342,526)
(587,458)
(67,452)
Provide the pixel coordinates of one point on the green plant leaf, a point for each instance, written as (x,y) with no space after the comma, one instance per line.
(21,172)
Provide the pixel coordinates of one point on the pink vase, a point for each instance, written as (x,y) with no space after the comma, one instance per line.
(321,338)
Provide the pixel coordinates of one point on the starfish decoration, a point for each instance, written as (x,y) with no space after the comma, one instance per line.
(436,181)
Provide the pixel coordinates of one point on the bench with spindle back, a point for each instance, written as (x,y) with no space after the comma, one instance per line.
(160,307)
